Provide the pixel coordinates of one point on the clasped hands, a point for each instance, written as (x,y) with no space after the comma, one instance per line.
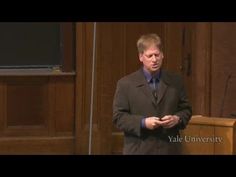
(167,121)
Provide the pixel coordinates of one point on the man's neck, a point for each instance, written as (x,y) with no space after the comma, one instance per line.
(152,73)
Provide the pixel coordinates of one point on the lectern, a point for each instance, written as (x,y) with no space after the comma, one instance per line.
(209,136)
(202,136)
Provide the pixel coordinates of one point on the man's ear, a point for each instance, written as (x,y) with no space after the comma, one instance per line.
(162,55)
(140,57)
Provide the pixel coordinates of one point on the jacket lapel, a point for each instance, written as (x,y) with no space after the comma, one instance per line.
(165,81)
(161,90)
(148,92)
(144,87)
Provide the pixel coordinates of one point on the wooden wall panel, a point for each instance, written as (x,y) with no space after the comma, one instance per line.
(37,145)
(64,114)
(223,65)
(26,102)
(37,114)
(2,106)
(84,39)
(173,53)
(111,66)
(201,68)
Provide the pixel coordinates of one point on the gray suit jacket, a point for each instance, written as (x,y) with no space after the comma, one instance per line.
(134,100)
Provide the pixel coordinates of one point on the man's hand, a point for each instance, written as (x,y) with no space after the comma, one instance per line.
(152,122)
(169,121)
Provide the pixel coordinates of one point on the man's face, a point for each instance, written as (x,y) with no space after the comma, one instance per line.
(151,59)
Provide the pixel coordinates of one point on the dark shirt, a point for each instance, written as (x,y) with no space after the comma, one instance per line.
(149,77)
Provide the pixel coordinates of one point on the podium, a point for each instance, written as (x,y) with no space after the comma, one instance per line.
(209,136)
(202,136)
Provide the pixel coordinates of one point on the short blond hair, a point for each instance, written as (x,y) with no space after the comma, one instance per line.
(147,40)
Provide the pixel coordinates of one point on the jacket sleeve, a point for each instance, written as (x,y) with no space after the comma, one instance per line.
(122,117)
(184,110)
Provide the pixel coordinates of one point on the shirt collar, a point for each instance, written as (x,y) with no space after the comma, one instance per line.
(148,76)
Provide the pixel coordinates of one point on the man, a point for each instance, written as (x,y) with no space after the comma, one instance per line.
(150,105)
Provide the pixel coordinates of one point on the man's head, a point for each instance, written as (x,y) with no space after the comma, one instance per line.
(150,52)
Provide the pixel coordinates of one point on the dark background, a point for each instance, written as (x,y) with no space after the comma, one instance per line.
(29,44)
